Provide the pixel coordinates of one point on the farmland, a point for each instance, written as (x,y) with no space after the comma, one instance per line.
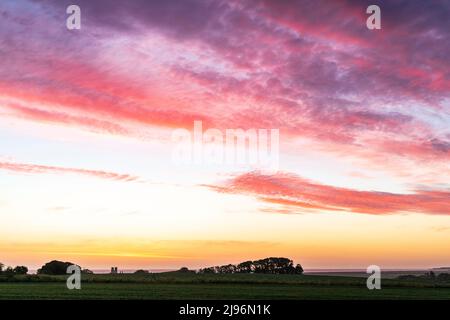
(175,285)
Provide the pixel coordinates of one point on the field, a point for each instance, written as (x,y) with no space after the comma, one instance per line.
(225,286)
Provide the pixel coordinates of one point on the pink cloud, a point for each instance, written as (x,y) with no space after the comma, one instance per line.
(297,194)
(64,118)
(40,169)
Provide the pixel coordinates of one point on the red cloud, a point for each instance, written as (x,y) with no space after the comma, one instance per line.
(64,118)
(36,169)
(293,192)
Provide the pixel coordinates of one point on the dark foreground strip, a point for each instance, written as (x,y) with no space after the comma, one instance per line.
(218,309)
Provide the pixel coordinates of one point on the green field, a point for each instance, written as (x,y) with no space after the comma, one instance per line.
(225,286)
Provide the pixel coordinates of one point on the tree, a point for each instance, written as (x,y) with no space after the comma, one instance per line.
(9,270)
(87,271)
(140,271)
(20,270)
(207,270)
(298,269)
(55,267)
(274,265)
(1,267)
(229,268)
(245,267)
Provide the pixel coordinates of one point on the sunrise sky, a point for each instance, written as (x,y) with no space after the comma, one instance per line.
(86,121)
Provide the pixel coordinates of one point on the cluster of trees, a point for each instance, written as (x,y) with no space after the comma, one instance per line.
(268,265)
(56,267)
(11,270)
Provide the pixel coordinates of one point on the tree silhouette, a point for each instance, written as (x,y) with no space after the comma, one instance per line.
(20,270)
(87,271)
(272,265)
(55,267)
(245,267)
(141,272)
(9,271)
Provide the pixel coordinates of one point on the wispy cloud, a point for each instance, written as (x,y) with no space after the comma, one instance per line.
(296,194)
(40,169)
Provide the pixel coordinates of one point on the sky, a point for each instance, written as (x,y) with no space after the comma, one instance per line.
(88,119)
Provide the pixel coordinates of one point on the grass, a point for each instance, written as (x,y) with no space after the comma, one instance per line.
(225,286)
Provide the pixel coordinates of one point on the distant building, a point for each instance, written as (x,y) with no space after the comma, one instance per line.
(113,270)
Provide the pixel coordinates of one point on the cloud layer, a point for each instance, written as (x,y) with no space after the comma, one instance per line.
(308,68)
(315,66)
